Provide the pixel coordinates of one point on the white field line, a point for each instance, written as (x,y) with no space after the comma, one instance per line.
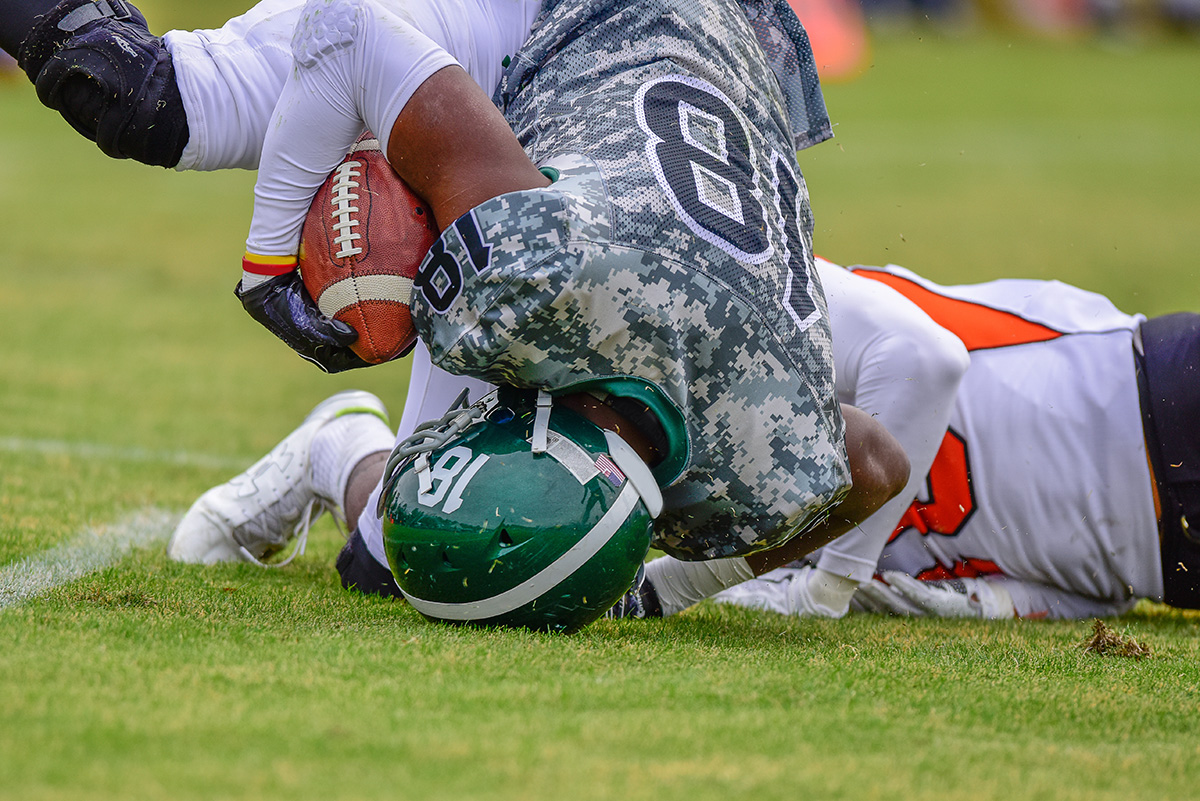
(89,450)
(98,547)
(92,549)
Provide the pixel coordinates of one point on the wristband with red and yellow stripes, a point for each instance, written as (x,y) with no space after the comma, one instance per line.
(268,265)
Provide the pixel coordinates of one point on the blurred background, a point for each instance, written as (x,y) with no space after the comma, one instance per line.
(974,138)
(840,29)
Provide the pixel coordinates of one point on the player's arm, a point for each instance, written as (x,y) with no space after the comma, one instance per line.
(879,470)
(440,132)
(901,368)
(330,97)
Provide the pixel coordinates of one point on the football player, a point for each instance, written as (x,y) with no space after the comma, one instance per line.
(1033,492)
(715,161)
(1065,481)
(606,254)
(892,361)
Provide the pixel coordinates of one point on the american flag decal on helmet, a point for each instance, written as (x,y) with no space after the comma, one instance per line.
(610,470)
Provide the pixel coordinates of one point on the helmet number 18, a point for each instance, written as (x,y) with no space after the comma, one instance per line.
(448,478)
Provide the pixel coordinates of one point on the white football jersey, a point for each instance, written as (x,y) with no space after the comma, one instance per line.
(1042,475)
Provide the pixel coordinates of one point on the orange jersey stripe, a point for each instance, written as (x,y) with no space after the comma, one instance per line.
(978,326)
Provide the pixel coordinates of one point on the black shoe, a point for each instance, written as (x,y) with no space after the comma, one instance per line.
(640,601)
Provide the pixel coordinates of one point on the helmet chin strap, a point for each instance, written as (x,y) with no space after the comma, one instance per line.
(541,422)
(622,453)
(636,471)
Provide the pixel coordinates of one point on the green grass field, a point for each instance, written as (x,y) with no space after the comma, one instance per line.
(131,380)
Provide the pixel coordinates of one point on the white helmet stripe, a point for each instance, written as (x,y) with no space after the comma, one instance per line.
(551,576)
(636,471)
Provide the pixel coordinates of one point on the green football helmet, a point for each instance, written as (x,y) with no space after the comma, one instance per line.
(516,512)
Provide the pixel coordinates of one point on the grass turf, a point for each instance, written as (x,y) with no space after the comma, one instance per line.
(132,380)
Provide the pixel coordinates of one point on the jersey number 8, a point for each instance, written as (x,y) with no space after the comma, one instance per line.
(701,153)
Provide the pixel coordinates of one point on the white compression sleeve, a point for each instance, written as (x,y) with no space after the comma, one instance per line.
(896,364)
(356,65)
(682,584)
(230,79)
(431,390)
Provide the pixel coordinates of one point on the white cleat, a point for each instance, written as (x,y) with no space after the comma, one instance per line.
(254,515)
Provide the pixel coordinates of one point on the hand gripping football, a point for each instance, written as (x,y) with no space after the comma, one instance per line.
(365,235)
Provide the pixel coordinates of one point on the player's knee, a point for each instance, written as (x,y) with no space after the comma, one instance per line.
(878,464)
(98,65)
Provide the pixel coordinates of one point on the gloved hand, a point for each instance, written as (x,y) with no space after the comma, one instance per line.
(881,599)
(901,594)
(804,591)
(283,306)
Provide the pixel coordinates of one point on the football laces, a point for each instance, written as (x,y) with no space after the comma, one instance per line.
(343,199)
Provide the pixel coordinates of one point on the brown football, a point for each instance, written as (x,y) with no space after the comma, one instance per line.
(365,235)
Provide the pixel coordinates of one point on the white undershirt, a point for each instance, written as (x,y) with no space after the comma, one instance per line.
(230,78)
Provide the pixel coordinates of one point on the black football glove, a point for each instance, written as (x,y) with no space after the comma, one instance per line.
(283,306)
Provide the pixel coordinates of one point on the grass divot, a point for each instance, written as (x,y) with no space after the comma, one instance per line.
(1107,642)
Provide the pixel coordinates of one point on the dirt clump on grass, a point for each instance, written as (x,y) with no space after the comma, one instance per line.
(1107,642)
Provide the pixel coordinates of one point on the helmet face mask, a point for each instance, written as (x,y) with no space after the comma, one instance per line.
(521,516)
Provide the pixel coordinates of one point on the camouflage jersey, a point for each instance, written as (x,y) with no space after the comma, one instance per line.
(673,248)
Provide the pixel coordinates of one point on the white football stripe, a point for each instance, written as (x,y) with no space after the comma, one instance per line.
(551,576)
(91,550)
(348,291)
(94,450)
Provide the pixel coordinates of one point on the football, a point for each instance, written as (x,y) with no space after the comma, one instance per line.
(363,239)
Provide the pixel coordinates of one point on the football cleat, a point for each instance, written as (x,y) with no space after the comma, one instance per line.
(641,601)
(254,515)
(516,512)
